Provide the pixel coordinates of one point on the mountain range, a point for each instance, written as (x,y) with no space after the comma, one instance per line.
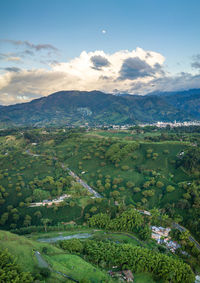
(95,108)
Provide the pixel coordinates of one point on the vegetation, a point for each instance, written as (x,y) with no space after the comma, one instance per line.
(10,271)
(126,256)
(129,221)
(137,170)
(63,108)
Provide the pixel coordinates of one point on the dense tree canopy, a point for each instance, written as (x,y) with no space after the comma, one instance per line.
(10,271)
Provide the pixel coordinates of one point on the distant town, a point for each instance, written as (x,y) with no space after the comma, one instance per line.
(159,124)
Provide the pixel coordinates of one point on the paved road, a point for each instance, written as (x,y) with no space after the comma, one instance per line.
(79,180)
(183,229)
(76,177)
(180,228)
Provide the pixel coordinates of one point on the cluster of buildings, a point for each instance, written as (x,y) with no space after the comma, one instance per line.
(124,276)
(50,202)
(161,235)
(172,124)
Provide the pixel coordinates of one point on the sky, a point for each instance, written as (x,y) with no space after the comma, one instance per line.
(116,46)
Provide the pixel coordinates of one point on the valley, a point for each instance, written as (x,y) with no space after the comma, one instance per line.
(111,185)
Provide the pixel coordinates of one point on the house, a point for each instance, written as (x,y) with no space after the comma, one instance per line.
(128,275)
(156,237)
(197,279)
(164,232)
(116,127)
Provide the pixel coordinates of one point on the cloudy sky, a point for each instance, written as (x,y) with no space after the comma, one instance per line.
(134,46)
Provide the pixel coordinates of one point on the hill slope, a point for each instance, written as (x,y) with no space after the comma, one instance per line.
(79,107)
(23,250)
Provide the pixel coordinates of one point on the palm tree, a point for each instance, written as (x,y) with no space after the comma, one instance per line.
(45,221)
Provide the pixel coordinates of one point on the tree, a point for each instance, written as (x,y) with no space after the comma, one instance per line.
(45,221)
(73,245)
(40,195)
(4,218)
(93,209)
(136,190)
(115,194)
(130,185)
(125,167)
(145,233)
(10,271)
(100,220)
(170,189)
(38,214)
(27,220)
(159,184)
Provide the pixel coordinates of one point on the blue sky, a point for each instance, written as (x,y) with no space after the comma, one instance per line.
(169,28)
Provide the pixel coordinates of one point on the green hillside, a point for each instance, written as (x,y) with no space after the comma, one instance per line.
(97,108)
(23,250)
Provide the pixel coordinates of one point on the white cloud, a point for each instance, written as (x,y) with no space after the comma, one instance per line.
(13,59)
(22,97)
(103,31)
(136,71)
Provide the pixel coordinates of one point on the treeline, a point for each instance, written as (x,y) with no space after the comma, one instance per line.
(38,229)
(137,259)
(191,160)
(128,221)
(189,251)
(10,271)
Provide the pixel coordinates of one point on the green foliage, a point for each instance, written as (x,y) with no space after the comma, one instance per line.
(100,220)
(159,184)
(191,159)
(170,189)
(131,257)
(10,270)
(129,221)
(117,151)
(74,245)
(40,195)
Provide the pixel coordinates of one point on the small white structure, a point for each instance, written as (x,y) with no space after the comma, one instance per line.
(50,202)
(163,232)
(197,279)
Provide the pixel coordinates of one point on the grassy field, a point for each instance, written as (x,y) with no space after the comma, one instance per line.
(77,268)
(22,248)
(143,278)
(72,265)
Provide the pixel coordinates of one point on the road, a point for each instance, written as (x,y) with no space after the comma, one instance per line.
(183,229)
(76,177)
(80,181)
(179,227)
(97,195)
